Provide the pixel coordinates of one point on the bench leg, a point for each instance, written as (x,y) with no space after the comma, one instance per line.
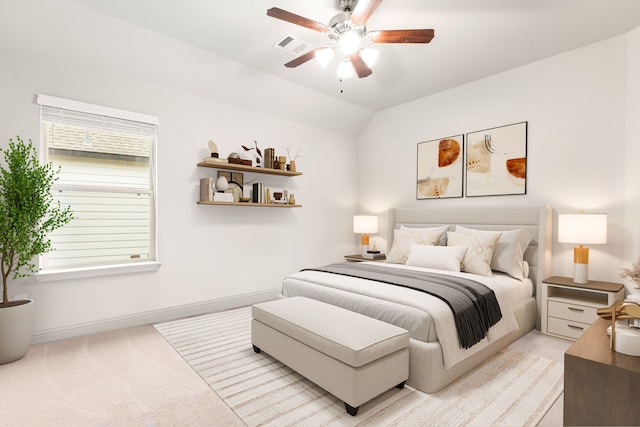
(256,349)
(351,410)
(401,385)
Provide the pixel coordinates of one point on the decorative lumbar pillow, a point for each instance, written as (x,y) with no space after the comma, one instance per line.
(508,256)
(480,247)
(402,240)
(443,237)
(440,257)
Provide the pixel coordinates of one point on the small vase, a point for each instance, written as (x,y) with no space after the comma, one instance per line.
(222,184)
(292,166)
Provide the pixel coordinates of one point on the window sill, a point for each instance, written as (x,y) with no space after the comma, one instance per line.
(80,273)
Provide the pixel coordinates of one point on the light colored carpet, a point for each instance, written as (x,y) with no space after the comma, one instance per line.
(511,388)
(127,377)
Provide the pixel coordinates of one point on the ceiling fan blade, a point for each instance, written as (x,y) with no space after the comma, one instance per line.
(401,36)
(363,10)
(278,13)
(361,68)
(301,59)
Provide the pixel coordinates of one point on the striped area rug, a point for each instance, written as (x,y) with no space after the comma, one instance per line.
(511,388)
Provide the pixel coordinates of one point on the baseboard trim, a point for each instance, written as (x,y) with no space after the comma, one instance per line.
(155,316)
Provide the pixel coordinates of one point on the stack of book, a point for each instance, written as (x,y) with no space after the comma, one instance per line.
(258,195)
(207,188)
(269,156)
(373,255)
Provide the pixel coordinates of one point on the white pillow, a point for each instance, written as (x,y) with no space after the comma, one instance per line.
(508,256)
(442,228)
(480,247)
(440,257)
(402,240)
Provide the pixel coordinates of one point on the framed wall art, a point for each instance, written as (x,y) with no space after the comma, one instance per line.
(440,168)
(496,161)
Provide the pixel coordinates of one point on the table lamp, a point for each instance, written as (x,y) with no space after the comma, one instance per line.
(584,229)
(365,224)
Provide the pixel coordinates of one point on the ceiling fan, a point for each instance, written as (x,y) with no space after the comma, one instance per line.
(347,29)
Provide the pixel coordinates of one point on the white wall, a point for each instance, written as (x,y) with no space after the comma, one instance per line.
(578,141)
(209,253)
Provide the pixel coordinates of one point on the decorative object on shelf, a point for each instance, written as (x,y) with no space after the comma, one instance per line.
(213,148)
(222,184)
(282,162)
(236,183)
(269,157)
(292,159)
(29,216)
(632,273)
(364,225)
(583,229)
(223,197)
(238,161)
(497,161)
(254,154)
(439,169)
(292,199)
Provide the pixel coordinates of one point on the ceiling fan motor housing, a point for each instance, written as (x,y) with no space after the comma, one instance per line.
(347,5)
(342,23)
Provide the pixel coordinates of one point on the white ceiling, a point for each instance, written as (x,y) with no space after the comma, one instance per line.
(473,38)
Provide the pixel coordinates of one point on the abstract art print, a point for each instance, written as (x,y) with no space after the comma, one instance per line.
(440,167)
(497,161)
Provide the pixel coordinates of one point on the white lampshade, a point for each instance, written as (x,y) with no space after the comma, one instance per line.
(582,228)
(588,229)
(324,56)
(349,42)
(369,56)
(365,224)
(345,70)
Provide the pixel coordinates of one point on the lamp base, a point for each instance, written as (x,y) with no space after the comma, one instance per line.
(580,273)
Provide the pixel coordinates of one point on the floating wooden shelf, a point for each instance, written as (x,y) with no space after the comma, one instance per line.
(257,205)
(243,168)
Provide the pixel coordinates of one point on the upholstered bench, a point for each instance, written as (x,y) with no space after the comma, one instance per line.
(352,356)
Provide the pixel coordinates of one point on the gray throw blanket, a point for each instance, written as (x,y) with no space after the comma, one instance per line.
(475,307)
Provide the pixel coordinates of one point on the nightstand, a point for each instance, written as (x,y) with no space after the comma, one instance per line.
(360,258)
(568,309)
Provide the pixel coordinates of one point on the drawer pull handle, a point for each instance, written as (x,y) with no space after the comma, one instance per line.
(576,309)
(575,327)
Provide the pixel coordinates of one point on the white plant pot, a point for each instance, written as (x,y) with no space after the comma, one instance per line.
(16,330)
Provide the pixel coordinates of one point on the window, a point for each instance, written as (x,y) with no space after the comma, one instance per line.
(107,176)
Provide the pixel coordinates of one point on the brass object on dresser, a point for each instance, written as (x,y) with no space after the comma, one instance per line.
(601,387)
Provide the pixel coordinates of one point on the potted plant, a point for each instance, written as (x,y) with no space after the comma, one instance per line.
(27,215)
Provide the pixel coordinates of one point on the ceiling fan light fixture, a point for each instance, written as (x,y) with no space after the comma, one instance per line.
(345,69)
(349,42)
(369,56)
(324,56)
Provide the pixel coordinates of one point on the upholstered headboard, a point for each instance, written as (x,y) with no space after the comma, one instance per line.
(536,220)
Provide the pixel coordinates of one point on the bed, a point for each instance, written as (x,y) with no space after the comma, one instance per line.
(436,357)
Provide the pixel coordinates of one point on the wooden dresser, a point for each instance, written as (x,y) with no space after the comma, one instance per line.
(601,387)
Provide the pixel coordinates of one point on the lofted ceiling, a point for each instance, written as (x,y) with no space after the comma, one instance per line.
(473,38)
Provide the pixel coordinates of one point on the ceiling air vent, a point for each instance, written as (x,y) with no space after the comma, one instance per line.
(292,45)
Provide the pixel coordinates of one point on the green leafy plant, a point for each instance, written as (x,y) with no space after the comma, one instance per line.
(28,212)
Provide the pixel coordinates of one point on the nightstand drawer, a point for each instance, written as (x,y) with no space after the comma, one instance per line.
(573,312)
(566,328)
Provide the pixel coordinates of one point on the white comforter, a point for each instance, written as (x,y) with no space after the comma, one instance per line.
(509,292)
